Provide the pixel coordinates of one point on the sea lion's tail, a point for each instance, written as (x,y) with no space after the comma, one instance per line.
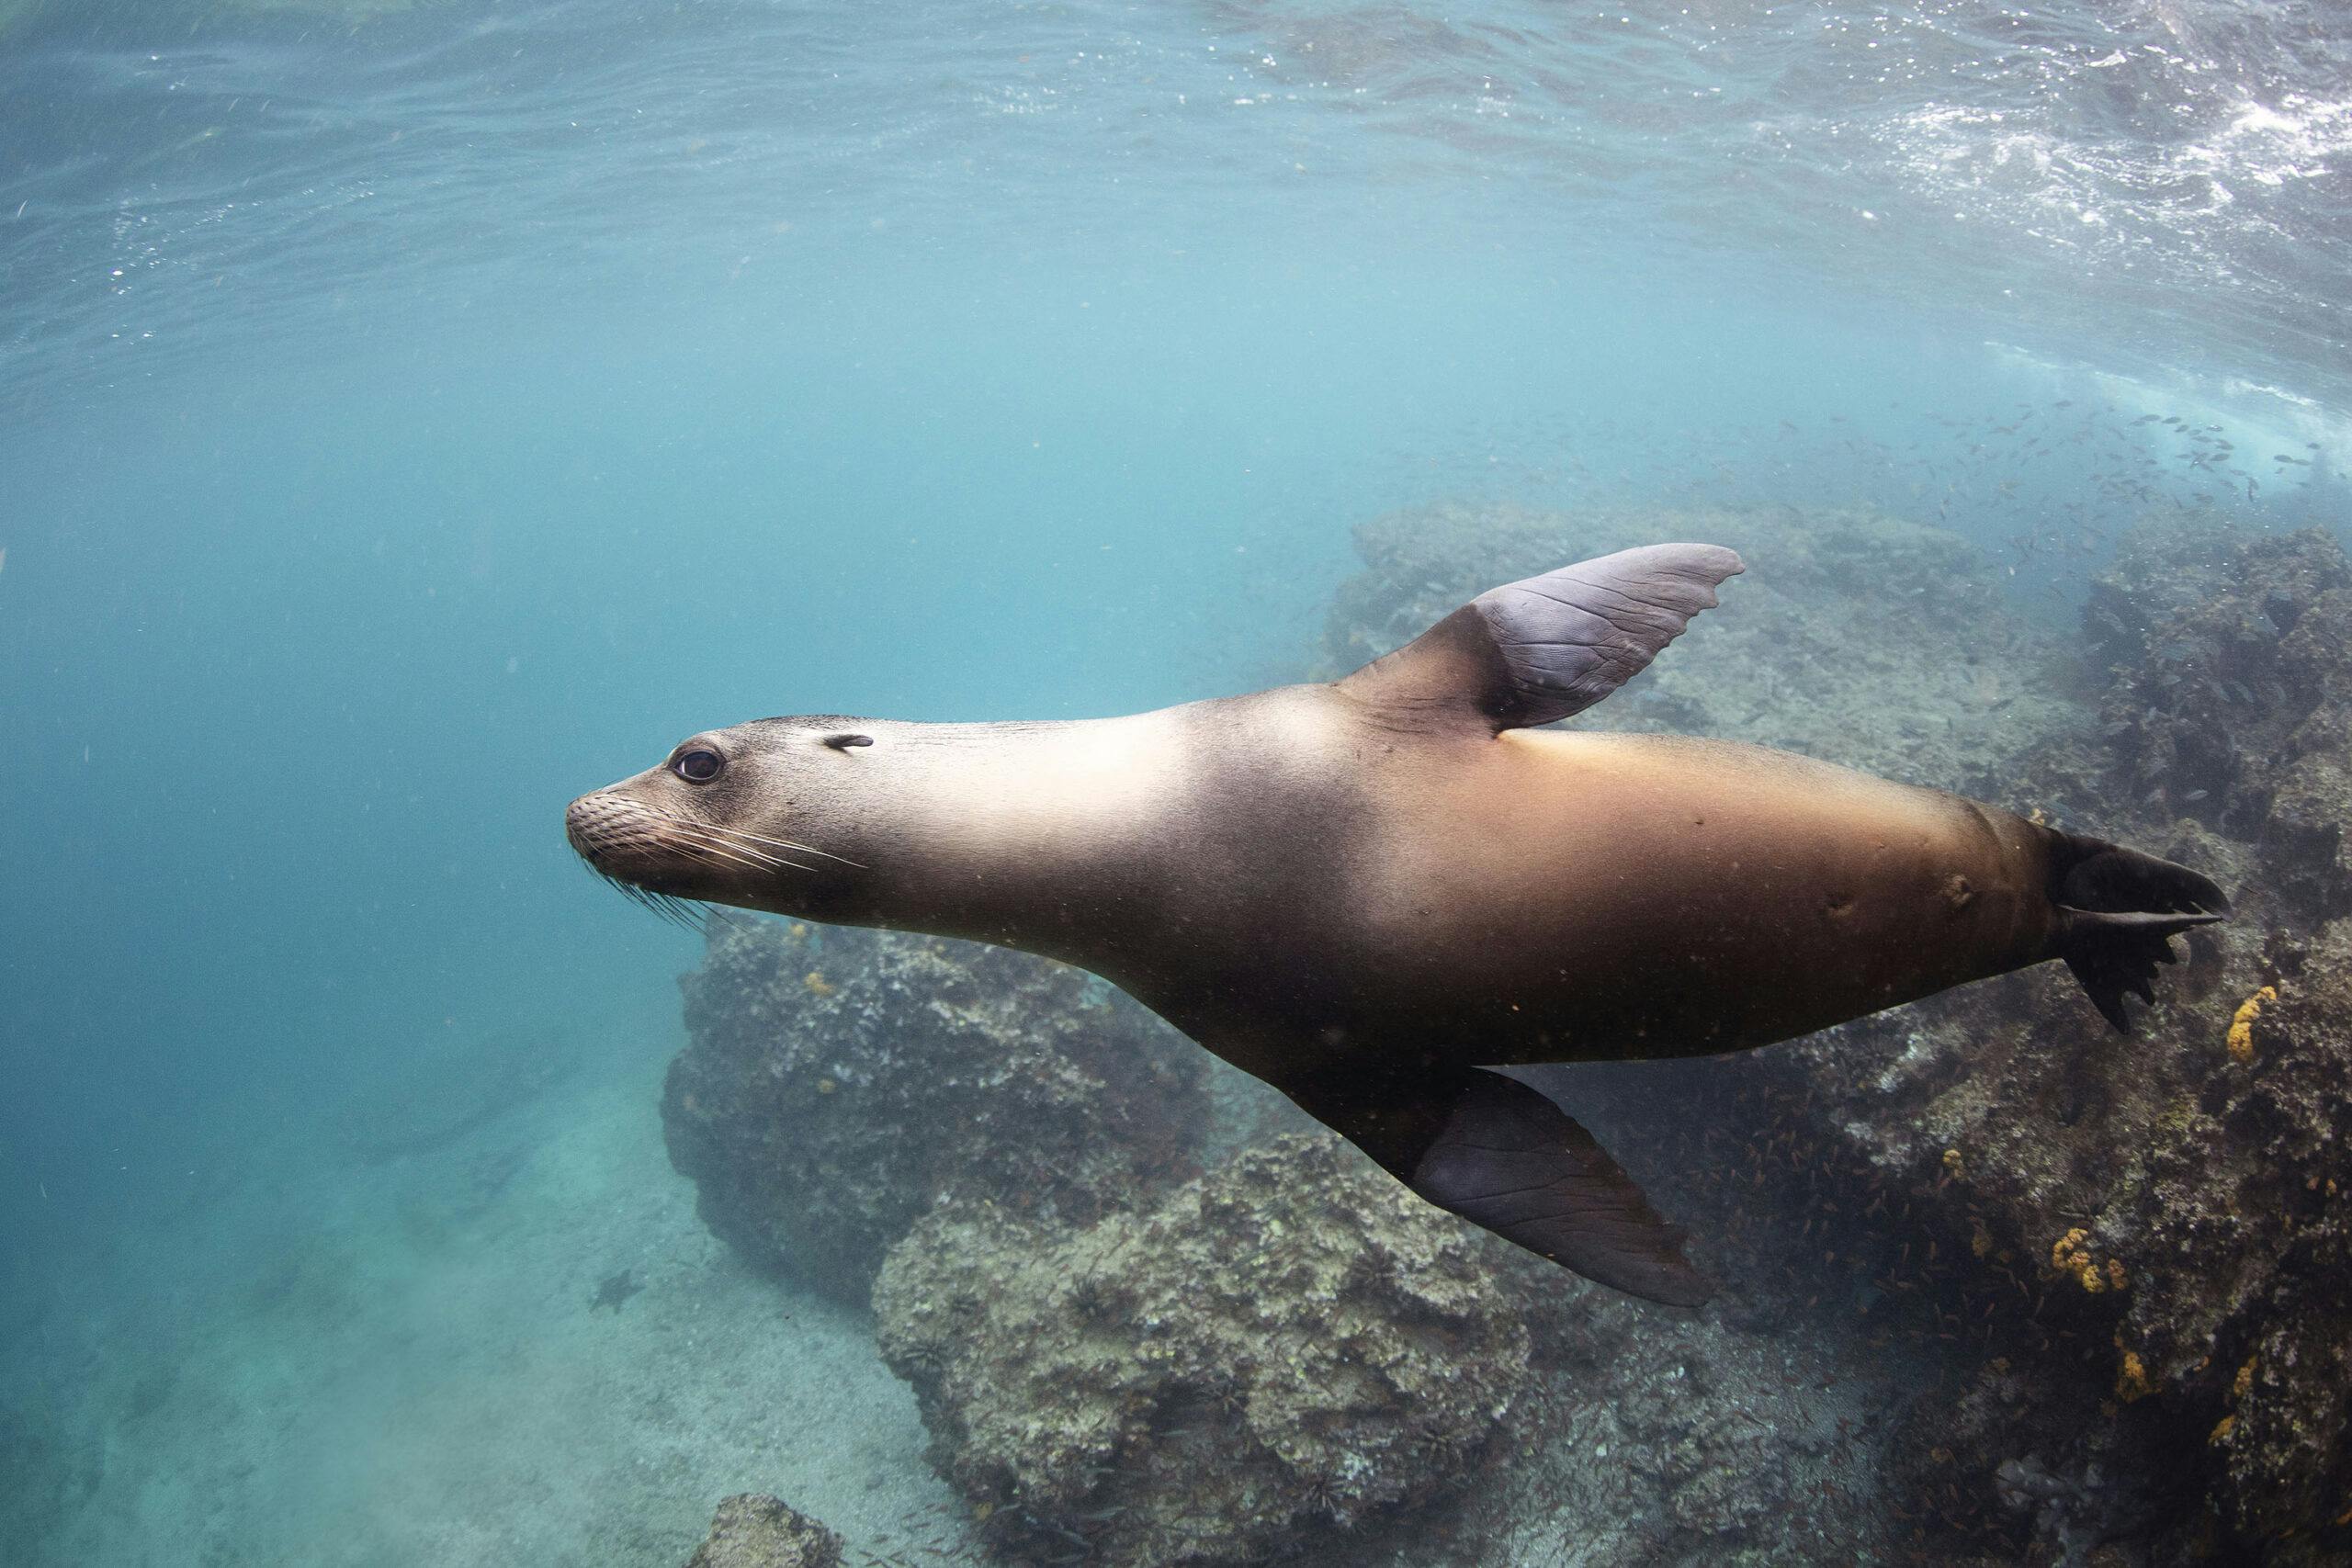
(2117,911)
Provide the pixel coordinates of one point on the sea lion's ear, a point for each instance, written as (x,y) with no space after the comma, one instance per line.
(1547,647)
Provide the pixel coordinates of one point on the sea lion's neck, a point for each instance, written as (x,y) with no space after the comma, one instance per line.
(1050,837)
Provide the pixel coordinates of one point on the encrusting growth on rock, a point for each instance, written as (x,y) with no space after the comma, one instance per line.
(751,1530)
(820,1112)
(2132,1378)
(2071,1254)
(2241,1040)
(1279,1351)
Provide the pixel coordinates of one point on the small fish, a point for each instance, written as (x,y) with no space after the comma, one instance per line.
(616,1291)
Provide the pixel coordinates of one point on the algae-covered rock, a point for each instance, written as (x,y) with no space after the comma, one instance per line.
(2141,1247)
(2229,697)
(1278,1352)
(2281,1326)
(836,1086)
(751,1531)
(1655,1439)
(2126,1251)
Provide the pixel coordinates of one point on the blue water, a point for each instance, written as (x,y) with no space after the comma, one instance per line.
(414,418)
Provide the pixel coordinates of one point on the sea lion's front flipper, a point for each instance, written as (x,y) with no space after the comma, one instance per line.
(1547,647)
(1499,1154)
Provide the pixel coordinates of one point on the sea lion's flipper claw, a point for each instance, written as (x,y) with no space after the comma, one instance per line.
(1544,647)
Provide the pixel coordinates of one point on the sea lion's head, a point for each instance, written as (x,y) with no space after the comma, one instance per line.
(754,816)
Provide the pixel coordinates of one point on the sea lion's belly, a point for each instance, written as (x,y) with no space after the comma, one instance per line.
(1563,894)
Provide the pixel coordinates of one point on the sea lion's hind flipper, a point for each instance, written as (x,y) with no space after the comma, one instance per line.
(1544,647)
(2118,912)
(1499,1154)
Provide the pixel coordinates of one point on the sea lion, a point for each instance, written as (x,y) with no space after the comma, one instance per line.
(1365,891)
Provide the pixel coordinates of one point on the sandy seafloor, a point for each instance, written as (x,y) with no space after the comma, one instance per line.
(401,1364)
(359,1358)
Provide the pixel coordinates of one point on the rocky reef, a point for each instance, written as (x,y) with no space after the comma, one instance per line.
(2230,698)
(837,1085)
(753,1531)
(2123,1256)
(1648,1438)
(2165,1205)
(1279,1353)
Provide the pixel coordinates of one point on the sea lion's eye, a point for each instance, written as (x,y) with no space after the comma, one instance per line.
(699,766)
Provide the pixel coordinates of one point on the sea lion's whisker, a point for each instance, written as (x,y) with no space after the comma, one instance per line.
(724,835)
(715,833)
(719,854)
(704,851)
(778,861)
(690,914)
(782,843)
(668,908)
(740,855)
(714,842)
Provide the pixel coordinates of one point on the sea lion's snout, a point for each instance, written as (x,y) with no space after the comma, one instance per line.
(582,820)
(620,837)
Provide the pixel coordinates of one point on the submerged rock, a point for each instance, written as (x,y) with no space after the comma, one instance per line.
(2144,1235)
(2124,1257)
(1277,1353)
(837,1086)
(751,1530)
(2230,701)
(1657,1440)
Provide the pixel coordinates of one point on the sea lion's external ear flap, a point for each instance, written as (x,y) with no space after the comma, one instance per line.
(1547,647)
